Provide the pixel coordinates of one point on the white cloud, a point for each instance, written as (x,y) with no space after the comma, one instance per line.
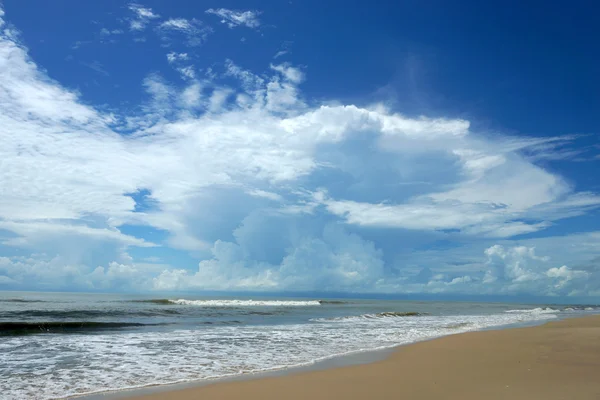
(511,264)
(506,269)
(423,214)
(252,83)
(43,272)
(161,93)
(236,18)
(192,95)
(321,178)
(195,31)
(265,194)
(520,270)
(336,260)
(218,99)
(29,92)
(96,66)
(187,72)
(173,57)
(341,261)
(565,273)
(283,50)
(178,61)
(142,17)
(289,72)
(179,24)
(109,32)
(32,232)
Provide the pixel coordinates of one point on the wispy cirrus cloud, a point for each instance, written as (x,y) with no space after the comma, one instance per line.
(97,67)
(234,18)
(141,17)
(109,32)
(195,31)
(173,57)
(181,63)
(283,50)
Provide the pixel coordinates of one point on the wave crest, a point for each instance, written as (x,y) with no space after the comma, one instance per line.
(377,316)
(228,303)
(246,303)
(538,310)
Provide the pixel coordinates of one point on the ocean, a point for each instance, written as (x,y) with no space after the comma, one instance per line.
(58,345)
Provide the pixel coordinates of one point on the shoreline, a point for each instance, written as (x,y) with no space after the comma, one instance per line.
(362,359)
(556,360)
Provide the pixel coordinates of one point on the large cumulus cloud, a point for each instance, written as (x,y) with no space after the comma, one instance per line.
(266,189)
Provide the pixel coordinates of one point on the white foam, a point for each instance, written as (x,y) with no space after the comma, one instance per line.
(82,364)
(381,315)
(247,303)
(538,310)
(582,308)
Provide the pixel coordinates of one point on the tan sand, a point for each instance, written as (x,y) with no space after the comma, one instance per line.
(559,360)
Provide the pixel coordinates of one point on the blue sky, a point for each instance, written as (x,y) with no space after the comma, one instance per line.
(439,148)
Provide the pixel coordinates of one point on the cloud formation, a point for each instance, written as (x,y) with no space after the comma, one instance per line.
(141,17)
(235,18)
(195,31)
(265,189)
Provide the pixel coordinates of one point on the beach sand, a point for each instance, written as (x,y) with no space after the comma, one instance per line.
(558,360)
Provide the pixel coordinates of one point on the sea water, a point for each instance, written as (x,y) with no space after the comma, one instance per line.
(56,345)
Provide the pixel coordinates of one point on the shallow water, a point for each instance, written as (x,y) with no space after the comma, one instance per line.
(58,345)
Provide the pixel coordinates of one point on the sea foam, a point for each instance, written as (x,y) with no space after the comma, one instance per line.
(537,310)
(119,361)
(246,303)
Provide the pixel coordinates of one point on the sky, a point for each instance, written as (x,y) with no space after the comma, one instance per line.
(405,148)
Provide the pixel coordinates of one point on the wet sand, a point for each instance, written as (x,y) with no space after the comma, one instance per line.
(558,360)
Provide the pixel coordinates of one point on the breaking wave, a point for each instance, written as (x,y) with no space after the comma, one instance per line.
(538,310)
(114,354)
(241,303)
(582,308)
(377,316)
(558,309)
(246,303)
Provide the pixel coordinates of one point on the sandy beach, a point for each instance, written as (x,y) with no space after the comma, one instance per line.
(558,360)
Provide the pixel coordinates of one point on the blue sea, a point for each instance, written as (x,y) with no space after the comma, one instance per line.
(59,345)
